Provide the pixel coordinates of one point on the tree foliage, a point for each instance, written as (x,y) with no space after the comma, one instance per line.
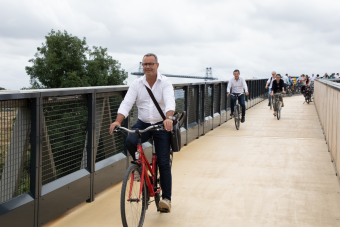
(66,61)
(1,88)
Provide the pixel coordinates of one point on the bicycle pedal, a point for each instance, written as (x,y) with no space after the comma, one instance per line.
(163,210)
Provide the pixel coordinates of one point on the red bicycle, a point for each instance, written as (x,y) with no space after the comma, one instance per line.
(141,182)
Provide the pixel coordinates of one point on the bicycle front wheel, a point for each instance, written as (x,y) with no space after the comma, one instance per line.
(278,110)
(271,102)
(237,117)
(132,209)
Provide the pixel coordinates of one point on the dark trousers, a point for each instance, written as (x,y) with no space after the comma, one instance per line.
(162,146)
(241,101)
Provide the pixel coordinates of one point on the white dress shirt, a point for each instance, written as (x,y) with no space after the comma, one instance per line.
(285,79)
(147,111)
(237,85)
(270,82)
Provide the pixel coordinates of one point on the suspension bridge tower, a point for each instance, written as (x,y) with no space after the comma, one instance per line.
(208,74)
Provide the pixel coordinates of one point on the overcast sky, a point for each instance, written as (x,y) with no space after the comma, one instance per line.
(254,36)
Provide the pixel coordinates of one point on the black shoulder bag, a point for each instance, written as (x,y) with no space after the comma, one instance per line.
(176,131)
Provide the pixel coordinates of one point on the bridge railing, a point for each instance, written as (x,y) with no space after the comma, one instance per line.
(327,103)
(56,151)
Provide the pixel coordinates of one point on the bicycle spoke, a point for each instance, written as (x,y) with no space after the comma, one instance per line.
(133,209)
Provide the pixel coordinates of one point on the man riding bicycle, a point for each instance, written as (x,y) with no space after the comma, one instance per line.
(238,85)
(278,86)
(270,84)
(148,115)
(303,84)
(285,80)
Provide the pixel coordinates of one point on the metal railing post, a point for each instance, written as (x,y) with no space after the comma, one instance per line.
(226,102)
(36,141)
(212,106)
(220,102)
(203,107)
(186,92)
(127,124)
(91,159)
(198,104)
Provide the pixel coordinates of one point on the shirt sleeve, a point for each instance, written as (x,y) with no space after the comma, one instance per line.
(228,88)
(245,85)
(169,96)
(129,100)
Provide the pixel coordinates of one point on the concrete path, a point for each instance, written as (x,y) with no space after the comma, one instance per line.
(269,173)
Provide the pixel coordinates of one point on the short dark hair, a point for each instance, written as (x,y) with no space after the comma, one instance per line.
(236,70)
(278,74)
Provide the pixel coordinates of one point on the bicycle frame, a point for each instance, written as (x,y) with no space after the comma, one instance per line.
(144,163)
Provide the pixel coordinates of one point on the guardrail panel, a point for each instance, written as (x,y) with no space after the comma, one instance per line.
(15,148)
(107,145)
(64,126)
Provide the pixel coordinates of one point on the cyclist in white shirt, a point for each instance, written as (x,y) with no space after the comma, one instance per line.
(270,84)
(148,115)
(238,85)
(285,81)
(312,78)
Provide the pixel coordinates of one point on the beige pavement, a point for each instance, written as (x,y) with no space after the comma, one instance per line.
(269,173)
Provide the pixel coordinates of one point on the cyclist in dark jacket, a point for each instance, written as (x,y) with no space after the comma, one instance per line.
(278,86)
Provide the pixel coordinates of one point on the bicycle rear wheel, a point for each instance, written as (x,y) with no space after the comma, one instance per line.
(237,117)
(132,209)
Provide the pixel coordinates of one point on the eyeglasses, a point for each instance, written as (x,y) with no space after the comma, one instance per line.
(148,64)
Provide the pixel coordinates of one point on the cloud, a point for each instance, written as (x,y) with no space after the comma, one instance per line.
(255,36)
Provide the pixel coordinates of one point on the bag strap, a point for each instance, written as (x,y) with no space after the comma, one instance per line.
(155,102)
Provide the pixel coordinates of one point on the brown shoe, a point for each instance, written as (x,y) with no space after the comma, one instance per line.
(165,206)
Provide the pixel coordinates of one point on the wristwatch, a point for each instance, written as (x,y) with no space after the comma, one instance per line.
(170,117)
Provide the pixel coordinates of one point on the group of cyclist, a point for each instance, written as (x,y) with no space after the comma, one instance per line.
(276,85)
(149,115)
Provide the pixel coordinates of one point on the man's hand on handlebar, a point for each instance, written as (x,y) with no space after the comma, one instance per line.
(113,126)
(227,95)
(168,124)
(247,93)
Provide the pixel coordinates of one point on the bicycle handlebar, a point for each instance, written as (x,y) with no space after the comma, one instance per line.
(237,95)
(279,93)
(157,127)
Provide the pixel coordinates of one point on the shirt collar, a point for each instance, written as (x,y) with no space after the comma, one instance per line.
(159,78)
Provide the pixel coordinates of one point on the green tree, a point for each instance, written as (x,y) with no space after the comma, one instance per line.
(1,88)
(62,61)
